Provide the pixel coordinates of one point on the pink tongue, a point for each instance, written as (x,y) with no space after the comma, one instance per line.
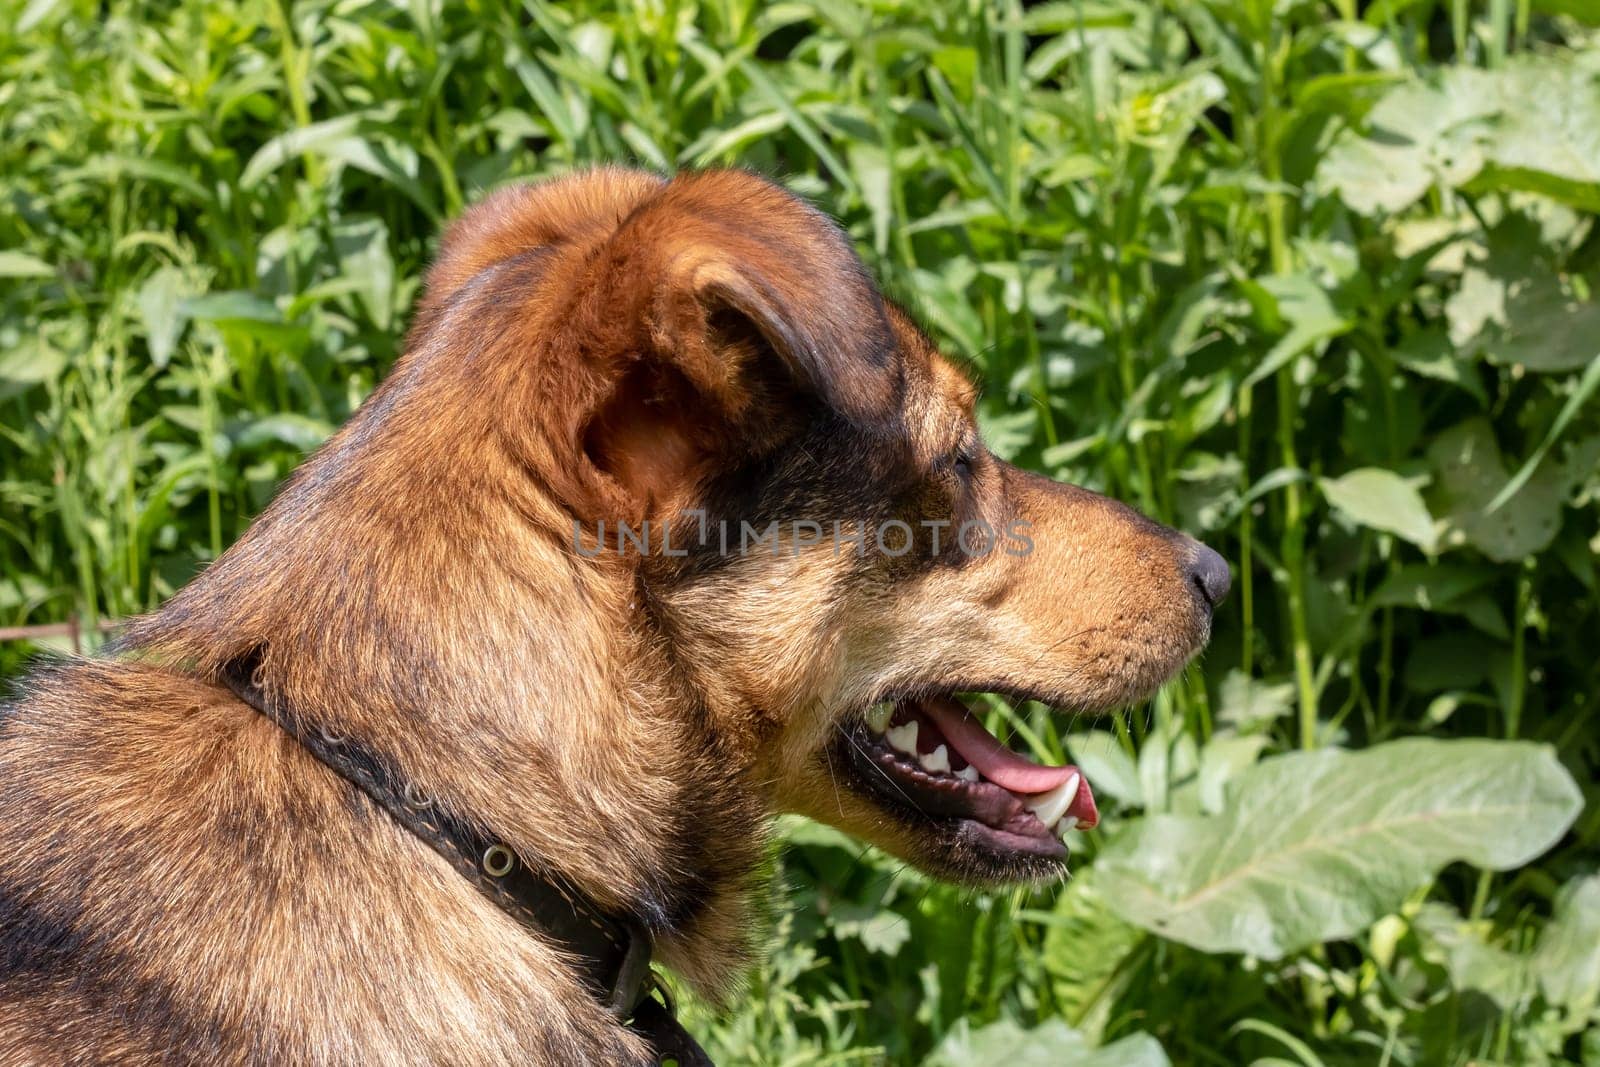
(984,751)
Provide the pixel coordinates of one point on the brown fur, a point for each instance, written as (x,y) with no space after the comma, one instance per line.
(181,881)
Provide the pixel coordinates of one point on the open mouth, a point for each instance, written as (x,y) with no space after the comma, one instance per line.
(933,756)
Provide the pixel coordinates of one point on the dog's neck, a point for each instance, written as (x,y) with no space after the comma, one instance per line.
(461,637)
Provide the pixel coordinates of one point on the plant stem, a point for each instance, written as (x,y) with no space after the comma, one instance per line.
(1519,666)
(1292,546)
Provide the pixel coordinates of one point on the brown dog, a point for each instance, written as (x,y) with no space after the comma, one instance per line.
(202,853)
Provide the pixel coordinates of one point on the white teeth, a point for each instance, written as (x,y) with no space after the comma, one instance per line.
(936,761)
(1051,806)
(903,737)
(878,716)
(1069,823)
(969,773)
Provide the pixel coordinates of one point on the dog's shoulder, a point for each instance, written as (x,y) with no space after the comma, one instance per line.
(95,772)
(124,786)
(178,873)
(101,740)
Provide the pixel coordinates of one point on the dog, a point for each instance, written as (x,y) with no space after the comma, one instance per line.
(665,522)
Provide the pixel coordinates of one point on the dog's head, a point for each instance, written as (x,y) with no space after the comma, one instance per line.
(813,532)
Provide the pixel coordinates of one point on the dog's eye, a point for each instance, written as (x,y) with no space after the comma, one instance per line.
(961,463)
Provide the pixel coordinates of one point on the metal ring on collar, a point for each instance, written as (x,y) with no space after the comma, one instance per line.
(498,861)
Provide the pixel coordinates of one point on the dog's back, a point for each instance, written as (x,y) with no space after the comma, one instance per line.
(115,780)
(180,881)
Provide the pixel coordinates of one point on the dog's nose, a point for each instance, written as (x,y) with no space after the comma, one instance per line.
(1209,572)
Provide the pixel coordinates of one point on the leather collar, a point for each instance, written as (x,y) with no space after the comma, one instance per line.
(612,952)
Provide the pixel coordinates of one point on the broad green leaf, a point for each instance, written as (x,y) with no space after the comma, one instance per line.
(35,13)
(14,264)
(1531,125)
(1316,845)
(291,144)
(1514,307)
(1058,456)
(363,248)
(1565,965)
(1456,659)
(1443,588)
(1471,474)
(949,312)
(1418,135)
(1106,764)
(717,144)
(230,307)
(1052,1044)
(160,312)
(1472,962)
(115,169)
(1249,704)
(1431,587)
(547,98)
(958,216)
(1206,491)
(1310,315)
(354,140)
(799,123)
(647,148)
(300,432)
(1382,500)
(1580,395)
(1567,961)
(28,364)
(1541,324)
(881,930)
(1430,354)
(1167,756)
(871,166)
(1223,758)
(1351,92)
(1181,325)
(1085,948)
(1548,138)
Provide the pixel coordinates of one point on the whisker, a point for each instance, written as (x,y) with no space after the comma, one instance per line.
(886,776)
(827,756)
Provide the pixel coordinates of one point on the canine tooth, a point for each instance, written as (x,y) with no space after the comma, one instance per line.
(878,717)
(969,773)
(1070,822)
(1055,803)
(937,760)
(903,737)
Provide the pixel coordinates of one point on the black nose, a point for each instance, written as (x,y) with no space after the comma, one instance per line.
(1209,572)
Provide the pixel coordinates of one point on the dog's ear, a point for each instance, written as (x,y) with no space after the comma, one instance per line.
(728,246)
(813,308)
(746,295)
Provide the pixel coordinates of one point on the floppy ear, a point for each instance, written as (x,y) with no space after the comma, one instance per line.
(748,296)
(826,325)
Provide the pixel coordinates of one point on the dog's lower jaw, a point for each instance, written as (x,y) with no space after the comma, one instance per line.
(958,850)
(963,852)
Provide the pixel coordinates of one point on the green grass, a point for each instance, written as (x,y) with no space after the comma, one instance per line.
(1313,281)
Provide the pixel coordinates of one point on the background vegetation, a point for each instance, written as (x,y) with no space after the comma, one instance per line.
(1313,281)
